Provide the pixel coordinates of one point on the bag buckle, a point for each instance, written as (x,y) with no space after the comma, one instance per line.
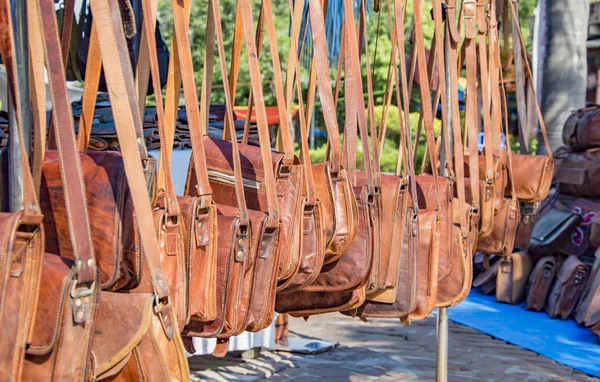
(81,299)
(163,309)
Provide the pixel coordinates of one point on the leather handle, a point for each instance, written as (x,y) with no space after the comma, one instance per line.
(70,166)
(121,87)
(203,188)
(93,73)
(214,30)
(322,75)
(149,8)
(261,114)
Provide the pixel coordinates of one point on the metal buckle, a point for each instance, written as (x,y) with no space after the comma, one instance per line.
(80,301)
(160,306)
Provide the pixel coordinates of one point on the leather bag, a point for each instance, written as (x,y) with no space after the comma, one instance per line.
(513,274)
(532,173)
(578,172)
(588,304)
(595,231)
(582,129)
(553,230)
(486,280)
(569,283)
(539,284)
(580,238)
(54,352)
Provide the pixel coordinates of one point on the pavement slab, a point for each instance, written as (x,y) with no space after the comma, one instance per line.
(385,350)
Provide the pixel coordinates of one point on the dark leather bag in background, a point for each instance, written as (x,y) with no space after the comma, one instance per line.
(511,280)
(580,239)
(589,303)
(486,280)
(540,282)
(568,286)
(552,231)
(582,129)
(579,172)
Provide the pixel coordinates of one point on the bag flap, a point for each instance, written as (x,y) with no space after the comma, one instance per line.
(547,262)
(571,265)
(57,277)
(121,322)
(553,220)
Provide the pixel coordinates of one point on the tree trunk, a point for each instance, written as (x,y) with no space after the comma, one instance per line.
(565,65)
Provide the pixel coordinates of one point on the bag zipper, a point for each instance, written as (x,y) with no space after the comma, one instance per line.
(230,179)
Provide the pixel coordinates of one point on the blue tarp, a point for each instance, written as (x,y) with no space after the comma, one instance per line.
(563,341)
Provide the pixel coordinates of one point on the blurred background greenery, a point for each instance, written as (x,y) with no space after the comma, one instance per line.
(375,31)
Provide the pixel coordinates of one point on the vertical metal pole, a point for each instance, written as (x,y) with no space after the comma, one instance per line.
(19,16)
(442,317)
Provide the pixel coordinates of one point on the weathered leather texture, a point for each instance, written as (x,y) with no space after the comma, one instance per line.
(136,349)
(288,186)
(20,267)
(540,282)
(313,250)
(530,213)
(568,286)
(513,274)
(501,240)
(579,173)
(532,176)
(338,281)
(110,207)
(589,303)
(227,245)
(582,129)
(55,339)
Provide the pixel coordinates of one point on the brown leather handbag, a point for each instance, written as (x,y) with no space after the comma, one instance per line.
(22,236)
(570,280)
(539,284)
(532,173)
(289,172)
(341,285)
(513,273)
(582,129)
(590,298)
(61,347)
(312,227)
(333,188)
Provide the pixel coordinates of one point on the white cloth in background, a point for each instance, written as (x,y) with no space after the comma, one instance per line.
(246,340)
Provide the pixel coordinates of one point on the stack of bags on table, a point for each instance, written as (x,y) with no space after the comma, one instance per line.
(131,272)
(559,272)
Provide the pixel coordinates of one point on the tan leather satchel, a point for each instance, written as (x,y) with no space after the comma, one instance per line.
(532,173)
(22,236)
(61,347)
(313,233)
(513,274)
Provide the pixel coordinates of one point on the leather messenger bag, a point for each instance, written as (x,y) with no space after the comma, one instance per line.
(540,282)
(568,286)
(62,348)
(582,129)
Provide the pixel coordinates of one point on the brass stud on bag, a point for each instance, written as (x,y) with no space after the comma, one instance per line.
(239,256)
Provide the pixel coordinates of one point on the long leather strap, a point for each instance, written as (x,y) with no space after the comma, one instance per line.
(261,115)
(294,64)
(148,7)
(425,96)
(214,30)
(519,37)
(119,77)
(321,64)
(485,92)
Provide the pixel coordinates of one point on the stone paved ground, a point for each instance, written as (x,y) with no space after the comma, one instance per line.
(384,350)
